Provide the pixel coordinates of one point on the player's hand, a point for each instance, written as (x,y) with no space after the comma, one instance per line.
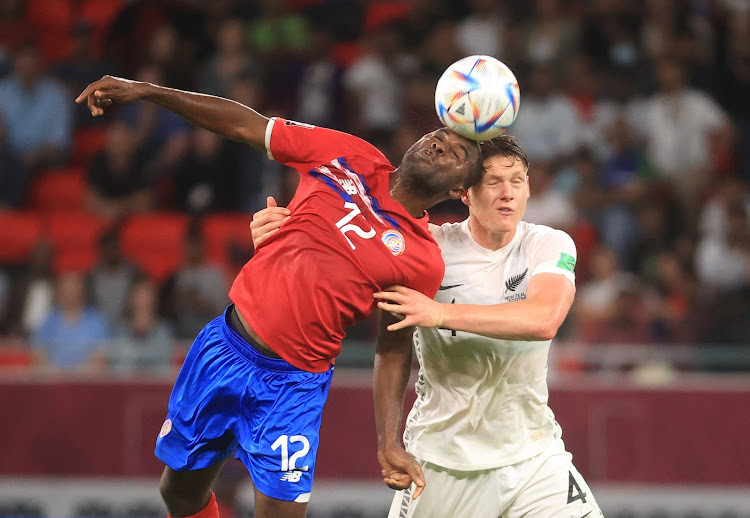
(108,90)
(416,308)
(400,469)
(268,221)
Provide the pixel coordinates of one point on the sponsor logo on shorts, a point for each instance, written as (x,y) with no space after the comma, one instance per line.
(292,476)
(394,241)
(165,428)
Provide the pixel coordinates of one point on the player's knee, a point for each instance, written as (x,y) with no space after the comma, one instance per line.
(175,496)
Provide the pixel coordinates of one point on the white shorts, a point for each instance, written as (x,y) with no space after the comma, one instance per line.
(545,486)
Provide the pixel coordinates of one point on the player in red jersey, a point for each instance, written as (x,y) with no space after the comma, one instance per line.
(255,379)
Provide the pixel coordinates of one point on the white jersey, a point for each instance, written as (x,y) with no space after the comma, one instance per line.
(482,402)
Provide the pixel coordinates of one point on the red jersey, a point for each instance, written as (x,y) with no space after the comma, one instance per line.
(346,239)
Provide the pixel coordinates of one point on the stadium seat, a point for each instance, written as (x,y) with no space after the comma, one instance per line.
(221,230)
(59,190)
(155,242)
(19,232)
(52,21)
(86,143)
(15,356)
(75,236)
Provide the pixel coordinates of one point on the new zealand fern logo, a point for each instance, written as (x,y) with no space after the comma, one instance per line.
(515,281)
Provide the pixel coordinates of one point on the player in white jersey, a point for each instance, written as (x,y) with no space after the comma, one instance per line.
(487,442)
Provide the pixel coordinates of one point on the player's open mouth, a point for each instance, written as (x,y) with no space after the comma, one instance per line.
(505,210)
(428,153)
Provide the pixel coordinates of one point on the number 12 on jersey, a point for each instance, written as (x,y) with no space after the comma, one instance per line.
(344,226)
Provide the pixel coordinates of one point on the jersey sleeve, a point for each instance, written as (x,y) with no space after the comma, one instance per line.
(304,146)
(554,252)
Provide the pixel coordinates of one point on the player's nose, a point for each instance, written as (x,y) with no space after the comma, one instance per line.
(439,147)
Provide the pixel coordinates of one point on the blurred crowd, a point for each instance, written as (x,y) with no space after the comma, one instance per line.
(635,116)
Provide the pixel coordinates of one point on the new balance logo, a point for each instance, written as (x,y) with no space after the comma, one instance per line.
(292,476)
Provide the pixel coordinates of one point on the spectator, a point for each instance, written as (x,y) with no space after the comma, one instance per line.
(143,341)
(597,301)
(713,220)
(112,279)
(199,289)
(551,36)
(82,68)
(482,31)
(230,60)
(548,205)
(723,262)
(547,126)
(12,174)
(160,135)
(72,335)
(209,175)
(321,90)
(373,87)
(37,111)
(117,180)
(680,122)
(31,292)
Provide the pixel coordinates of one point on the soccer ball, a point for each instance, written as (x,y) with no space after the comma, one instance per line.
(477,97)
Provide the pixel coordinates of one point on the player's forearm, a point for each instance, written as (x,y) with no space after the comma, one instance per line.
(225,117)
(522,320)
(391,374)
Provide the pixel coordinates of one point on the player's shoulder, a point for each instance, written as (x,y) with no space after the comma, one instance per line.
(446,232)
(340,141)
(542,234)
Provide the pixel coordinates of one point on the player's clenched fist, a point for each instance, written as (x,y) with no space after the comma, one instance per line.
(110,89)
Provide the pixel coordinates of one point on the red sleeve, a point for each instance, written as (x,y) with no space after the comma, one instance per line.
(304,146)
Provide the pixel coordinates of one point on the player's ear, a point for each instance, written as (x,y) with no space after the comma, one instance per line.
(456,193)
(465,198)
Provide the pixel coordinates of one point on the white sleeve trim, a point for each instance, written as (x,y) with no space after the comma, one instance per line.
(550,268)
(269,130)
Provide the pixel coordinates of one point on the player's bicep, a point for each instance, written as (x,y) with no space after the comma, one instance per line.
(554,294)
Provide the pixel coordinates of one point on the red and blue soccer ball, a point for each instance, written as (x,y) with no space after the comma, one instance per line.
(477,97)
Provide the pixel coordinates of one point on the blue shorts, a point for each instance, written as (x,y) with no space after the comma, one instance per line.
(229,398)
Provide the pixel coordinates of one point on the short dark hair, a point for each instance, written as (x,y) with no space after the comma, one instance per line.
(477,169)
(504,145)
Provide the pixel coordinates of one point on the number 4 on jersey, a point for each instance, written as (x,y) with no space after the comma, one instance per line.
(573,486)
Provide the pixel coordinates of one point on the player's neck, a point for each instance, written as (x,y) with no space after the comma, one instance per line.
(489,240)
(415,205)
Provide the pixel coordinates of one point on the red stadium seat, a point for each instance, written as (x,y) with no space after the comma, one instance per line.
(59,189)
(220,230)
(75,236)
(15,356)
(19,232)
(86,143)
(155,242)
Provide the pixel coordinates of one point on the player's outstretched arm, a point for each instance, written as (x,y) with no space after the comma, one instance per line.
(267,221)
(225,117)
(391,374)
(538,317)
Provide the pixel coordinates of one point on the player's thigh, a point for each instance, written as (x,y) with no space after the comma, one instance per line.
(553,488)
(450,494)
(203,404)
(278,442)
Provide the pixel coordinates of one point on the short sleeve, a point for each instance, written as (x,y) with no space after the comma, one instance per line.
(553,252)
(302,146)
